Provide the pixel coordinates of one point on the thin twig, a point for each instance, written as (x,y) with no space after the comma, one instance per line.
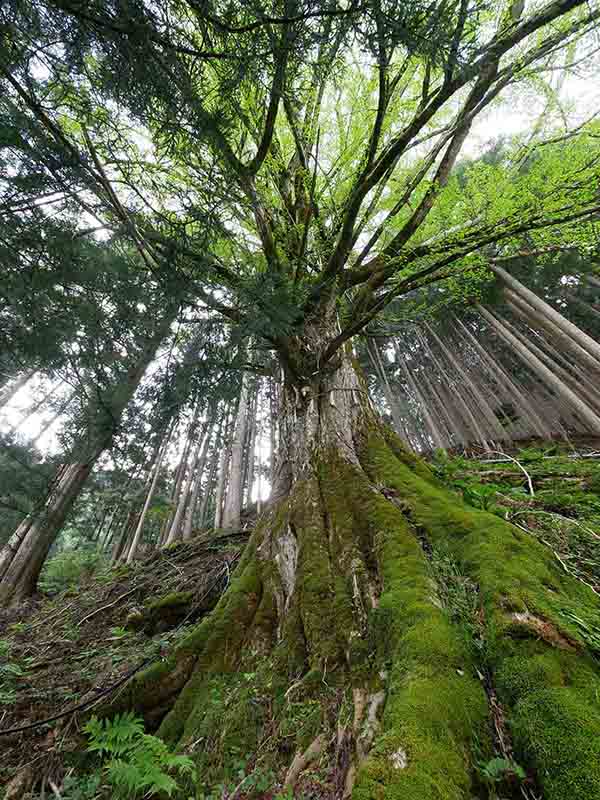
(110,605)
(521,467)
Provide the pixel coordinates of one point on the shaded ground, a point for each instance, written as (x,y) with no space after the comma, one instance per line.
(58,653)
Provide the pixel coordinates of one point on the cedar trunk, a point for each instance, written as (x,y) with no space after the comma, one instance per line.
(336,664)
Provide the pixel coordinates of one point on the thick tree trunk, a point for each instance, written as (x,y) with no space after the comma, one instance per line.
(23,557)
(338,659)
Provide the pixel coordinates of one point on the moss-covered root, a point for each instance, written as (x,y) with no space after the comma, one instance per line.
(436,709)
(539,627)
(329,658)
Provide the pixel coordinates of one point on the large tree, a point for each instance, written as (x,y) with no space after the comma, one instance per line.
(291,162)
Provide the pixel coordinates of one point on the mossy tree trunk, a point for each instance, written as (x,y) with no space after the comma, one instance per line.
(348,658)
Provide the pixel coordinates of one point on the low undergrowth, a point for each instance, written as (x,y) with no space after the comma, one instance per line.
(71,648)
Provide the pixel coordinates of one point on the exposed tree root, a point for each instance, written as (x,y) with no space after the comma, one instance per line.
(330,660)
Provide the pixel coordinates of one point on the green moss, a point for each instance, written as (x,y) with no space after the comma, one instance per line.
(436,713)
(560,736)
(172,600)
(531,607)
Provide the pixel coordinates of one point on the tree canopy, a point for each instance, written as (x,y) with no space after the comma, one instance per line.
(264,160)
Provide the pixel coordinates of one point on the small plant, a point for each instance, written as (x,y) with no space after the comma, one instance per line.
(119,631)
(9,672)
(478,496)
(501,771)
(137,763)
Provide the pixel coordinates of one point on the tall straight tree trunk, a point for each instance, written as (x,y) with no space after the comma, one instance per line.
(338,622)
(179,476)
(564,340)
(233,500)
(121,542)
(581,388)
(22,557)
(487,412)
(210,487)
(524,406)
(536,365)
(463,406)
(14,386)
(583,340)
(445,408)
(149,496)
(199,468)
(251,439)
(222,475)
(432,428)
(567,371)
(274,414)
(176,529)
(387,390)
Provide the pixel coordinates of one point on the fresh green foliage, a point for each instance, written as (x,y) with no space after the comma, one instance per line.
(136,762)
(501,770)
(69,568)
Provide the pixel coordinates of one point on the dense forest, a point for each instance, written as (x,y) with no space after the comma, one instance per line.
(299,399)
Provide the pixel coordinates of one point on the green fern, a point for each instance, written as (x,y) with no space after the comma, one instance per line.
(137,763)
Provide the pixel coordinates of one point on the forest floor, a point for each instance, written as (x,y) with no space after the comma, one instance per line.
(66,653)
(60,653)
